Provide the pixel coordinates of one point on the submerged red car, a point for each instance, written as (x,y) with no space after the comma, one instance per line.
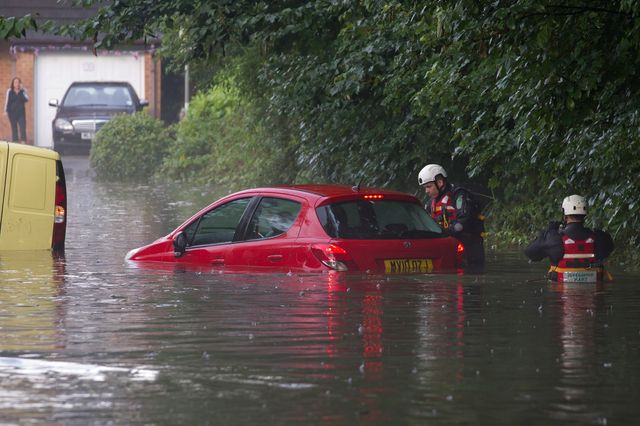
(310,228)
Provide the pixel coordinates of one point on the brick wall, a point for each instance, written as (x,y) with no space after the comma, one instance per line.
(152,72)
(22,65)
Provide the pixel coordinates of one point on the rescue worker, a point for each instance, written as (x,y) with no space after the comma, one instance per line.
(457,212)
(576,253)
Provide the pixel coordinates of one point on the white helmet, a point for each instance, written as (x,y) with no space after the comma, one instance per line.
(429,173)
(574,205)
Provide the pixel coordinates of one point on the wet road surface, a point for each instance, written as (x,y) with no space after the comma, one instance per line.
(90,339)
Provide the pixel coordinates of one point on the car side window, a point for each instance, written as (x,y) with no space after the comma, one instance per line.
(218,225)
(273,216)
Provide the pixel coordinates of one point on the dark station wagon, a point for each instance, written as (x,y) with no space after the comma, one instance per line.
(86,107)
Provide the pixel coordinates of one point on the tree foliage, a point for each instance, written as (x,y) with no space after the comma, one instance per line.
(16,26)
(536,98)
(221,142)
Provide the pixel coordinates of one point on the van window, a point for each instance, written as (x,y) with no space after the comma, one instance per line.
(379,219)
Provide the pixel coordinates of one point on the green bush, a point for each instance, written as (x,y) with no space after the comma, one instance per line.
(129,147)
(221,142)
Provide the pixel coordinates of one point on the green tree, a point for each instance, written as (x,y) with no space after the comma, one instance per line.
(221,142)
(538,97)
(16,26)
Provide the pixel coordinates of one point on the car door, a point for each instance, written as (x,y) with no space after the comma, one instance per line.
(270,235)
(210,236)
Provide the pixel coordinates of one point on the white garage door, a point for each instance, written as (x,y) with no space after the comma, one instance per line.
(55,71)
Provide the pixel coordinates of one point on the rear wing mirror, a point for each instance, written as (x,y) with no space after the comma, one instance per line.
(53,102)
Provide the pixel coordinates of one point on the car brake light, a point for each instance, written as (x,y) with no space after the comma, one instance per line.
(58,215)
(60,211)
(460,248)
(332,256)
(373,197)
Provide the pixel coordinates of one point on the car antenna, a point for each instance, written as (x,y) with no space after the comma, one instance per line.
(356,188)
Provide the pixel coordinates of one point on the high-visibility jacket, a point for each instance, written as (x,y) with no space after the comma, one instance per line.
(443,209)
(578,263)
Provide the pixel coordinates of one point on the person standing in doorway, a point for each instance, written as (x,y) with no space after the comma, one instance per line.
(14,108)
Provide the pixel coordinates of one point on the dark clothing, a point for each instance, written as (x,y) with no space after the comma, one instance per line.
(14,106)
(465,223)
(18,128)
(549,242)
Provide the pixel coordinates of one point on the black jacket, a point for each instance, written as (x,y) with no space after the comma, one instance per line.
(14,102)
(549,242)
(467,208)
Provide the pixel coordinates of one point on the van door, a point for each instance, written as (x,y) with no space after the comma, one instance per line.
(4,148)
(28,199)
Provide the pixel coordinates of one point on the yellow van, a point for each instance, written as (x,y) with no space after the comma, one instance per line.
(34,198)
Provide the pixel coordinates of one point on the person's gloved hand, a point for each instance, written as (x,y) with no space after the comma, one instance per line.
(455,228)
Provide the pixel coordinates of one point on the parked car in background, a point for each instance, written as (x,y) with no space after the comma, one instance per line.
(86,107)
(33,213)
(310,228)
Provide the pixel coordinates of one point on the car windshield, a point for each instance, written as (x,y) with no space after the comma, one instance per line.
(377,219)
(98,96)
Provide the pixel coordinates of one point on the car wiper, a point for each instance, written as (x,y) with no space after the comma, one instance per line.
(87,105)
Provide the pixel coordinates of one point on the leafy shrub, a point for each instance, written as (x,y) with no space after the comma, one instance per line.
(221,142)
(129,147)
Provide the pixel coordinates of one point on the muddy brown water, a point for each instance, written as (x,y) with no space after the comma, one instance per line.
(90,339)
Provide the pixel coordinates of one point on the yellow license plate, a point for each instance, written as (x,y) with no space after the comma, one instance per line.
(408,266)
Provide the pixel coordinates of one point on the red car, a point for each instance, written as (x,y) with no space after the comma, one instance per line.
(310,228)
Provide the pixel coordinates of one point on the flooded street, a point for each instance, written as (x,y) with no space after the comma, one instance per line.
(90,339)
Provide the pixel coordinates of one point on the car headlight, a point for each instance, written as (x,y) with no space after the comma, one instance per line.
(63,125)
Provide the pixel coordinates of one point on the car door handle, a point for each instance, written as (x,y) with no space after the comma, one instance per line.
(217,262)
(275,258)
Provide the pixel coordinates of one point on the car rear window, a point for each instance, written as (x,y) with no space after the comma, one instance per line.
(377,219)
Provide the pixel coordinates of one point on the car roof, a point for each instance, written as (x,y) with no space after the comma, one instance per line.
(316,194)
(324,192)
(100,83)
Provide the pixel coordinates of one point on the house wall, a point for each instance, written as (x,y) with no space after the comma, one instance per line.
(20,62)
(19,66)
(153,83)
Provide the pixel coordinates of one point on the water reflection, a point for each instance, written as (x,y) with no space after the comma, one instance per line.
(31,307)
(500,348)
(580,306)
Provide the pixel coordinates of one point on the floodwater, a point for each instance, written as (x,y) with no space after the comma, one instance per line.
(89,339)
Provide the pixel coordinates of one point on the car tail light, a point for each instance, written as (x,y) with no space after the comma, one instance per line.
(60,211)
(332,256)
(460,254)
(373,197)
